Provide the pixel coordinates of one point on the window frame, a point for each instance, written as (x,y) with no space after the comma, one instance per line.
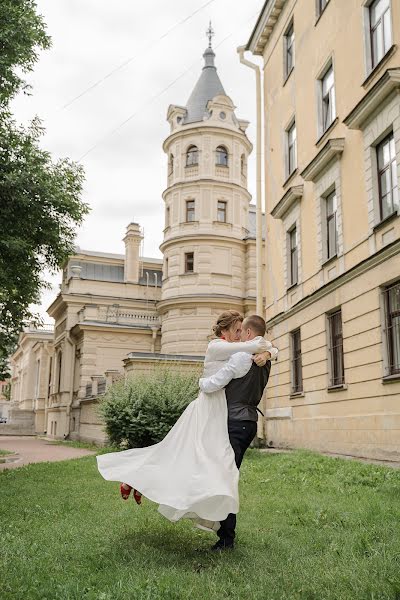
(328,218)
(321,6)
(326,108)
(335,348)
(189,260)
(372,28)
(289,45)
(381,171)
(192,156)
(190,211)
(392,362)
(221,151)
(224,209)
(296,362)
(290,169)
(293,251)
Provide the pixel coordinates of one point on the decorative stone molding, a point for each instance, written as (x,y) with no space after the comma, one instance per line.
(293,194)
(264,26)
(332,149)
(389,82)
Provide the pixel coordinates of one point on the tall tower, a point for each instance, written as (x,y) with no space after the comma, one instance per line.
(206,215)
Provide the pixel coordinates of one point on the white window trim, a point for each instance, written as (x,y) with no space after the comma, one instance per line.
(286,72)
(327,65)
(367,36)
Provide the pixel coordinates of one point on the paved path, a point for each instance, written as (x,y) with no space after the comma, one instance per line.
(32,450)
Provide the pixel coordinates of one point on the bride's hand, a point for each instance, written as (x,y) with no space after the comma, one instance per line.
(262,358)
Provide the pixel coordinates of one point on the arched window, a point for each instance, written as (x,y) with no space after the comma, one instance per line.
(171,164)
(192,156)
(222,156)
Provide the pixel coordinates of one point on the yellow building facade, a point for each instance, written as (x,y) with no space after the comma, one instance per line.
(331,99)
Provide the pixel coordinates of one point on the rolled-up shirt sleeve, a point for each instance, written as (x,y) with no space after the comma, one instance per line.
(238,366)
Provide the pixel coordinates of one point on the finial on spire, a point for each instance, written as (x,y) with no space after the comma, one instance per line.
(210,34)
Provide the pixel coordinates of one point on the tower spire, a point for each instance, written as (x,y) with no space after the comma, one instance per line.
(210,34)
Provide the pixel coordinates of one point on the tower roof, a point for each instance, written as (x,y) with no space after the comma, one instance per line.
(207,87)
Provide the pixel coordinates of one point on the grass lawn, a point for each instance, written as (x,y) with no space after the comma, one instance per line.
(310,528)
(5,452)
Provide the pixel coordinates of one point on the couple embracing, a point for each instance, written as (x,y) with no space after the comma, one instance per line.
(194,471)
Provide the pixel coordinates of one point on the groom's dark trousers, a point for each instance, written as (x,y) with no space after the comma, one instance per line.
(242,396)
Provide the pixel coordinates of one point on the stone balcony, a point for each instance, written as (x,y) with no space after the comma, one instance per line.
(116,315)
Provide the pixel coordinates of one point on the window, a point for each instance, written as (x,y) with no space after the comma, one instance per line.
(380,30)
(328,99)
(166,269)
(167,216)
(190,211)
(321,5)
(289,50)
(291,149)
(37,379)
(243,165)
(392,329)
(221,211)
(293,256)
(50,374)
(336,348)
(189,262)
(171,164)
(59,371)
(222,156)
(192,156)
(297,376)
(331,226)
(387,177)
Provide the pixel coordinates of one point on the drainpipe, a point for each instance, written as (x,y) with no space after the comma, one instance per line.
(259,254)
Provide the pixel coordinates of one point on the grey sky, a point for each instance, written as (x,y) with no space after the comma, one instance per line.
(126,171)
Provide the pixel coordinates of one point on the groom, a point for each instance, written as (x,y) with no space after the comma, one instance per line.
(243,396)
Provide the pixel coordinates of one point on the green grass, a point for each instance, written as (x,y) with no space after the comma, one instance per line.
(310,528)
(5,452)
(85,445)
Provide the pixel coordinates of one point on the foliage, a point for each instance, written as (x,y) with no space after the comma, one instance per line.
(309,528)
(40,204)
(22,36)
(140,410)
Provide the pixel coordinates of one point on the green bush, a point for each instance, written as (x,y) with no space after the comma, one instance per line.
(140,410)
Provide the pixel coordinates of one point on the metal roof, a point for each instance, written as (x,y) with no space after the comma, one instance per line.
(207,87)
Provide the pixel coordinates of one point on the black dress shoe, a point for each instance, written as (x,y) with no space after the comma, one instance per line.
(220,546)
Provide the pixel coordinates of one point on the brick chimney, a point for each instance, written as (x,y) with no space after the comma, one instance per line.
(132,241)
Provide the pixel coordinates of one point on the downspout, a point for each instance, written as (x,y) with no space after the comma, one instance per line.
(259,253)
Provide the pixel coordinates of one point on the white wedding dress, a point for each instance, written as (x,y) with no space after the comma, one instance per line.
(191,473)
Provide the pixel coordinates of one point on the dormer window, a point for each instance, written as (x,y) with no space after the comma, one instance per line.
(192,156)
(222,156)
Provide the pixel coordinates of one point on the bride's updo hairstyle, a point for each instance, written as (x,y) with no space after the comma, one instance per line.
(226,320)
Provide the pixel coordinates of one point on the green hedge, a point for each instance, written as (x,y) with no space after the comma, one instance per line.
(140,410)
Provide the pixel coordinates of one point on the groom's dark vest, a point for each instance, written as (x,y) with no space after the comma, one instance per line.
(243,395)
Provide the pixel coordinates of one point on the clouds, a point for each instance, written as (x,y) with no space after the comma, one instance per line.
(126,171)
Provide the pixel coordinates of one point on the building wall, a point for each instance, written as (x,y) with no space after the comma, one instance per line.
(362,417)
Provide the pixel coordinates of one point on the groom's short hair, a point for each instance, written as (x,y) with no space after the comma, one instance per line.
(256,323)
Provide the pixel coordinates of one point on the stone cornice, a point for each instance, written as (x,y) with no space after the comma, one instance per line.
(206,182)
(293,194)
(331,286)
(190,237)
(265,24)
(187,301)
(373,99)
(206,128)
(333,148)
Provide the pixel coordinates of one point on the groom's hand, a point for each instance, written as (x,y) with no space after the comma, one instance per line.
(261,359)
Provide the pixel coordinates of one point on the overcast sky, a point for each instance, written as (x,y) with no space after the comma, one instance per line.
(128,61)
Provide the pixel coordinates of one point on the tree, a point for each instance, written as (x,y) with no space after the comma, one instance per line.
(40,205)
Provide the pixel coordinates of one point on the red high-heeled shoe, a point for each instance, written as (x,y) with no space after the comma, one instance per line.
(137,496)
(125,492)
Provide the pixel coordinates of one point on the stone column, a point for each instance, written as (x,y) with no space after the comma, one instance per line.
(132,241)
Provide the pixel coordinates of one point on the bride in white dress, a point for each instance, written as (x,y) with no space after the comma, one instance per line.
(191,473)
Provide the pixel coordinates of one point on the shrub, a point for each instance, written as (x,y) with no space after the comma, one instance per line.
(140,410)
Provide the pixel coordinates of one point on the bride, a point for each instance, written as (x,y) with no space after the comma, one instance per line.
(191,473)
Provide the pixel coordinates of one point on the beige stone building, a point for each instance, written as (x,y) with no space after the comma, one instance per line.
(117,312)
(331,97)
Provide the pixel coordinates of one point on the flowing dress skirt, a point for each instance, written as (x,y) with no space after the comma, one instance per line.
(191,473)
